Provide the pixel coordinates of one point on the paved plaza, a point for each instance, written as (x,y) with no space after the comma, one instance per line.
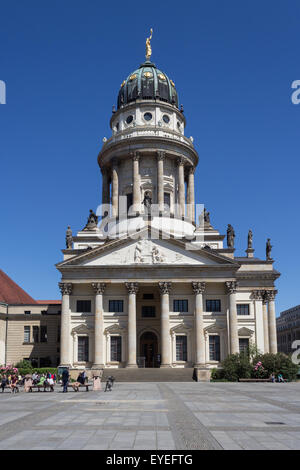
(166,416)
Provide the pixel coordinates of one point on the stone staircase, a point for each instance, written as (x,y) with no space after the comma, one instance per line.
(150,375)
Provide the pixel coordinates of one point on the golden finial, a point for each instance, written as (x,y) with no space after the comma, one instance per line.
(148,46)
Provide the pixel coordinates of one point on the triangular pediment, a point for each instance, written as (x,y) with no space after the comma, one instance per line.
(155,249)
(245,331)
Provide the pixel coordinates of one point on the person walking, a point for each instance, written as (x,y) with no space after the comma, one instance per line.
(65,380)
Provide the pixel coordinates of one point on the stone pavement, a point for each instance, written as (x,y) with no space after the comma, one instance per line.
(165,416)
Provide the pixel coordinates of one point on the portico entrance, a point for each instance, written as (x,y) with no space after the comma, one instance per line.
(148,349)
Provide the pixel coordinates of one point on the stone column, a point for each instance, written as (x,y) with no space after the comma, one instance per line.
(115,189)
(132,288)
(191,192)
(105,186)
(265,323)
(160,180)
(66,291)
(181,191)
(233,324)
(136,198)
(198,288)
(99,289)
(165,288)
(272,321)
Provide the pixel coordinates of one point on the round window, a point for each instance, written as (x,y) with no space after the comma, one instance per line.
(147,116)
(129,119)
(166,118)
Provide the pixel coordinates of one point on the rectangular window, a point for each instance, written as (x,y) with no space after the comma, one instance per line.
(180,306)
(26,334)
(43,334)
(213,305)
(35,334)
(148,311)
(242,309)
(115,348)
(167,201)
(116,306)
(83,348)
(27,312)
(244,345)
(181,348)
(214,348)
(83,306)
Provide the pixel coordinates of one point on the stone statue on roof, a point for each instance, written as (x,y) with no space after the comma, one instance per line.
(250,239)
(92,221)
(268,249)
(69,238)
(230,236)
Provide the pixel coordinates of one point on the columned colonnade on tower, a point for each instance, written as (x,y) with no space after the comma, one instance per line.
(111,192)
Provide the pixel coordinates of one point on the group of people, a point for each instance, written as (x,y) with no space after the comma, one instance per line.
(13,381)
(279,378)
(81,380)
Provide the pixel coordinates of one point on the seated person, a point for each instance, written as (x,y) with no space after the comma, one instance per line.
(42,380)
(280,378)
(4,382)
(80,381)
(14,383)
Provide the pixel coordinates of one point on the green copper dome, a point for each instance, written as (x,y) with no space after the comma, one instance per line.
(147,83)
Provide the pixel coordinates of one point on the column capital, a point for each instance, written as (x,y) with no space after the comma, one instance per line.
(135,156)
(191,170)
(180,161)
(161,155)
(231,287)
(198,287)
(65,288)
(132,287)
(99,287)
(114,162)
(258,294)
(165,287)
(270,295)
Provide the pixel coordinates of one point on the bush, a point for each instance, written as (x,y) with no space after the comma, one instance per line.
(43,370)
(236,366)
(278,364)
(24,364)
(217,374)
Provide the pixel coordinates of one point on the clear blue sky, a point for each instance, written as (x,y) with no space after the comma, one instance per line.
(233,64)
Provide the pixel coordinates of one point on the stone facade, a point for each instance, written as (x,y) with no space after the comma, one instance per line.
(148,286)
(30,332)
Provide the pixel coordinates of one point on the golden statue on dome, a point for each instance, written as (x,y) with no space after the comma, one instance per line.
(148,46)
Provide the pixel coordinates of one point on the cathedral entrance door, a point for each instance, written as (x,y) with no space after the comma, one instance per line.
(148,349)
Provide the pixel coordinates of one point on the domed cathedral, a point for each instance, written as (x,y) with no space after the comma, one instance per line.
(147,283)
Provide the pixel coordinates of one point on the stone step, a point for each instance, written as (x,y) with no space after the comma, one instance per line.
(150,375)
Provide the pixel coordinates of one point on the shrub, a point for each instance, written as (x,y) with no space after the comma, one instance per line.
(41,370)
(278,364)
(236,366)
(24,364)
(217,374)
